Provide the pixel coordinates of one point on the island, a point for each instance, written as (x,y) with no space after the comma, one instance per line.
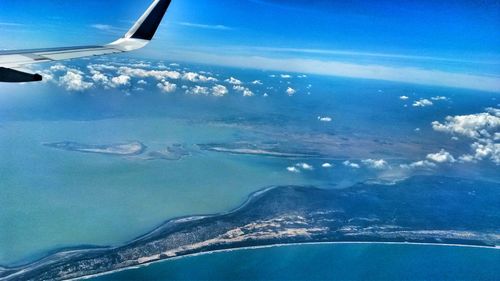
(120,149)
(170,153)
(422,209)
(270,150)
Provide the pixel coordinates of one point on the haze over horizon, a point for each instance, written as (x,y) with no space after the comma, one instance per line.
(422,42)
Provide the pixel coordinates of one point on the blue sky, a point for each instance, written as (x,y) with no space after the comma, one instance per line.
(448,36)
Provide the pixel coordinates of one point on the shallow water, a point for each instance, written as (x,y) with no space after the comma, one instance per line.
(54,198)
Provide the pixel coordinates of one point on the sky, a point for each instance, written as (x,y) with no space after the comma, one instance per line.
(446,43)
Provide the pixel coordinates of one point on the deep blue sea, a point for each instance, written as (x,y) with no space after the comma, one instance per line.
(328,262)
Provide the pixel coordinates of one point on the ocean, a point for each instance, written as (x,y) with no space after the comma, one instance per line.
(327,262)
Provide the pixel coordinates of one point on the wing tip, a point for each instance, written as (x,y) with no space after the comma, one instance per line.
(147,25)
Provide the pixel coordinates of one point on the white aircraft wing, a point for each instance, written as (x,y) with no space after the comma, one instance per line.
(137,37)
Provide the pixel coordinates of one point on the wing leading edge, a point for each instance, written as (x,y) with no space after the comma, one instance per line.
(137,37)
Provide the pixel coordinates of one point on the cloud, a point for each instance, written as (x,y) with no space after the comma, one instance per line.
(257,82)
(467,158)
(415,75)
(423,164)
(293,170)
(99,77)
(205,26)
(290,91)
(325,119)
(245,91)
(481,128)
(233,81)
(442,156)
(198,90)
(122,80)
(108,28)
(142,73)
(376,164)
(351,165)
(476,126)
(101,67)
(58,67)
(487,149)
(423,103)
(403,98)
(350,53)
(439,98)
(167,87)
(219,91)
(327,165)
(104,27)
(195,77)
(286,76)
(304,166)
(73,81)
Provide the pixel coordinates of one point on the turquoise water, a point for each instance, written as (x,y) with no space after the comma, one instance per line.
(328,262)
(53,198)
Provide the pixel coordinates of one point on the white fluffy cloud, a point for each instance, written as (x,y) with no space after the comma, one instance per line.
(234,81)
(195,77)
(304,166)
(487,150)
(475,126)
(442,156)
(403,97)
(482,128)
(257,82)
(167,87)
(219,90)
(73,80)
(122,80)
(245,91)
(327,165)
(142,73)
(376,164)
(351,164)
(423,164)
(290,91)
(58,67)
(99,77)
(198,90)
(422,103)
(293,169)
(101,67)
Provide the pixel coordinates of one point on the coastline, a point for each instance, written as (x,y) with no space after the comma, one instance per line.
(289,216)
(284,245)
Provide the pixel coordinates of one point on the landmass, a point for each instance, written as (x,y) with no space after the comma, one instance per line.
(121,149)
(423,209)
(271,150)
(173,152)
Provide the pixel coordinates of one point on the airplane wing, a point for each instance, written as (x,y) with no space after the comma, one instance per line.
(137,37)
